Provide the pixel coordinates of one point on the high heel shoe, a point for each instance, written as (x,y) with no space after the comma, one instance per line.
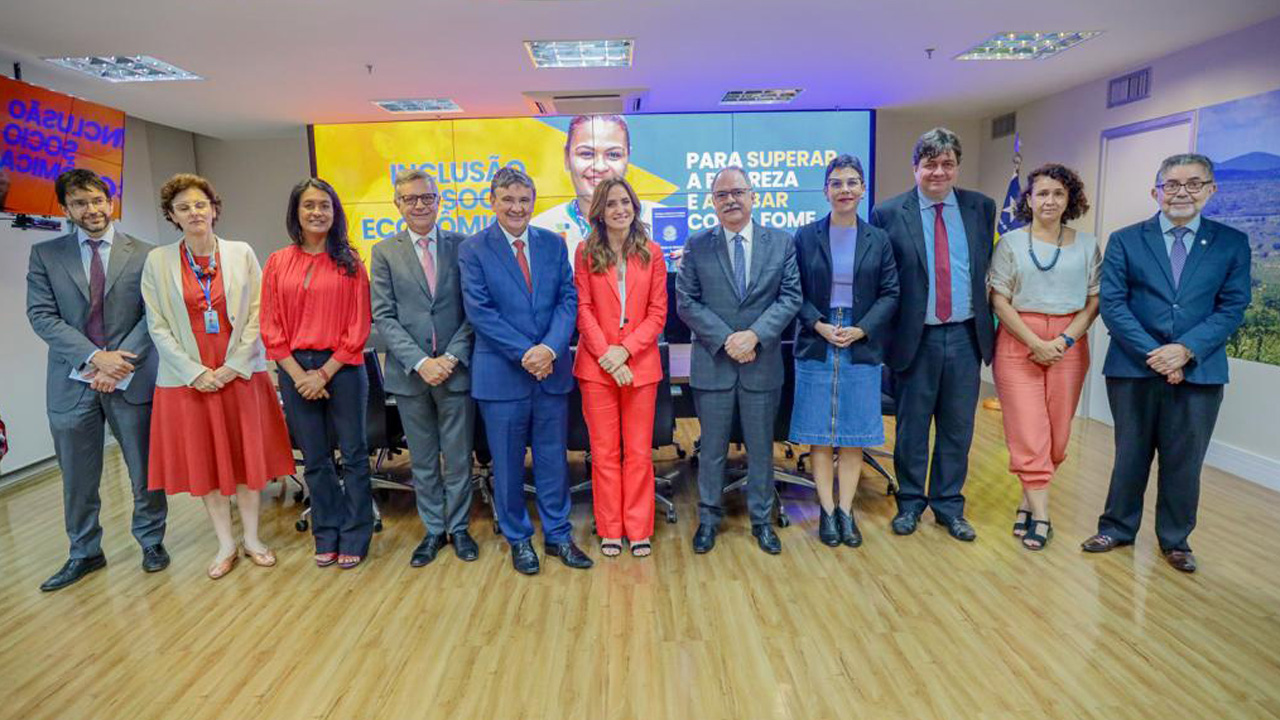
(224,566)
(849,533)
(828,533)
(266,558)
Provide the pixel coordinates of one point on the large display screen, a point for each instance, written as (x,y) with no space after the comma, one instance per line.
(669,160)
(47,133)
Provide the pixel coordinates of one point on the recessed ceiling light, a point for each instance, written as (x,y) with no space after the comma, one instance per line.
(1026,45)
(760,97)
(580,53)
(421,105)
(125,68)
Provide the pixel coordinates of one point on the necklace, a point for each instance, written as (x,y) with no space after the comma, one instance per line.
(1031,250)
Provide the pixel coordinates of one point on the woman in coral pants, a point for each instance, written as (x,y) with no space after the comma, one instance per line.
(622,305)
(1044,282)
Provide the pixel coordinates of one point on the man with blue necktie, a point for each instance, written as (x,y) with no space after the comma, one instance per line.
(1174,290)
(941,237)
(518,292)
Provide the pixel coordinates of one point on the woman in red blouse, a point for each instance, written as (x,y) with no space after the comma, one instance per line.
(315,321)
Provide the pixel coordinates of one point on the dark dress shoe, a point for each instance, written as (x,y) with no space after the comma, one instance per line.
(828,533)
(1101,543)
(427,549)
(848,527)
(154,558)
(904,523)
(1181,560)
(704,539)
(523,558)
(72,571)
(767,539)
(959,528)
(464,546)
(569,554)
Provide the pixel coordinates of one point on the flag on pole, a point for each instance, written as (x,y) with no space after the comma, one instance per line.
(1008,217)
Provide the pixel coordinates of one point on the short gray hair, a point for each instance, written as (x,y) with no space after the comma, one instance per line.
(411,174)
(732,168)
(508,176)
(1174,161)
(934,143)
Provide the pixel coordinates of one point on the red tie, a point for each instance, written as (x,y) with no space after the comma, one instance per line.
(941,265)
(523,263)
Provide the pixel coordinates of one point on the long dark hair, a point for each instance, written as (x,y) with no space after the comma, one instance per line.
(599,255)
(336,244)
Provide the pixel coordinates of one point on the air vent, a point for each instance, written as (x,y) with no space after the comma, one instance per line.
(1004,126)
(587,102)
(1129,88)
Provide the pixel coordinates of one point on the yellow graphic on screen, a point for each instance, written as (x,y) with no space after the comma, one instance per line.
(361,159)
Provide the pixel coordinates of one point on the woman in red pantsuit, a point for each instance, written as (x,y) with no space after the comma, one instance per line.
(622,305)
(216,425)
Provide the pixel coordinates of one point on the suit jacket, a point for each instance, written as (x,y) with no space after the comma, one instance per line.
(600,309)
(709,305)
(58,306)
(875,290)
(170,324)
(899,216)
(508,319)
(1143,310)
(406,313)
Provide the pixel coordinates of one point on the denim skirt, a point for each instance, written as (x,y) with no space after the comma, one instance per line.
(837,402)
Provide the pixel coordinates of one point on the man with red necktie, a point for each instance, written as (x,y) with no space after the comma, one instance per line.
(941,237)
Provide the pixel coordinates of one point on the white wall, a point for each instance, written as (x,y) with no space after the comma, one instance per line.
(1067,128)
(896,135)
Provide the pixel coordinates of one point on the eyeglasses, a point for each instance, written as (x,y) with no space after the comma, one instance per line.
(427,199)
(1171,187)
(736,194)
(91,202)
(852,184)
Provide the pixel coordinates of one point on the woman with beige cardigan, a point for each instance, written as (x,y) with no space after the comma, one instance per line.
(216,425)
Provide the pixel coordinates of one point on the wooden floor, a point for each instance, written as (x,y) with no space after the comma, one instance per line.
(918,627)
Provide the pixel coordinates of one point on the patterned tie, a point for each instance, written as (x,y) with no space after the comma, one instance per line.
(523,263)
(1178,254)
(95,327)
(428,264)
(740,266)
(941,265)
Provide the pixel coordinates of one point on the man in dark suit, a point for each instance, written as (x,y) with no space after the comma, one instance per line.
(417,308)
(1174,290)
(84,299)
(738,289)
(519,296)
(944,331)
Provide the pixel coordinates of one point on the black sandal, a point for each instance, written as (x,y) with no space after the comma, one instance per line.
(641,549)
(611,548)
(1032,536)
(1021,524)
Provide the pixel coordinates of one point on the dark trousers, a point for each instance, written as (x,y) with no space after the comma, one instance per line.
(757,411)
(540,421)
(940,387)
(1175,421)
(77,441)
(341,510)
(440,423)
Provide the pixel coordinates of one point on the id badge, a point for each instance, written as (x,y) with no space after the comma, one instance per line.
(211,322)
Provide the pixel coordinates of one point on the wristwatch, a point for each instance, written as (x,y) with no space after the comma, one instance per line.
(450,357)
(1069,340)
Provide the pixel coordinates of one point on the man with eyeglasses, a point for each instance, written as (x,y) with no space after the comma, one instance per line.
(417,308)
(1174,290)
(738,290)
(84,299)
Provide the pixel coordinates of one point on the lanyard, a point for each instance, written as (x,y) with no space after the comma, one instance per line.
(584,226)
(204,277)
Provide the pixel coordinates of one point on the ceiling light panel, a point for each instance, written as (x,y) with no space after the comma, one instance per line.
(125,68)
(419,105)
(580,53)
(760,97)
(1025,45)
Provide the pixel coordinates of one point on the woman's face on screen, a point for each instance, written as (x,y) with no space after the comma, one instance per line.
(597,150)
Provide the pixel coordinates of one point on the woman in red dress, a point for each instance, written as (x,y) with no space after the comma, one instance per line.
(216,425)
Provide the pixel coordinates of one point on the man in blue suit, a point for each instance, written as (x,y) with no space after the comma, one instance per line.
(1174,289)
(518,292)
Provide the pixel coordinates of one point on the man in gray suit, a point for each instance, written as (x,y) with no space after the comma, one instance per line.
(417,308)
(84,300)
(738,290)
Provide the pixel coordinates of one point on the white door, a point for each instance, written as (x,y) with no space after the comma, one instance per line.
(1131,156)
